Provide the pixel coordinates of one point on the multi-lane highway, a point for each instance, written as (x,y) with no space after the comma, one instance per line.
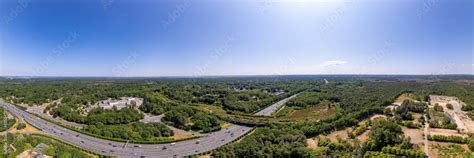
(178,149)
(272,108)
(150,119)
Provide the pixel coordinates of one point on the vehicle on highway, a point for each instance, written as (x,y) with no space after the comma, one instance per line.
(203,144)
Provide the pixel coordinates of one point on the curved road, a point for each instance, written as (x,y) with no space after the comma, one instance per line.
(178,149)
(157,119)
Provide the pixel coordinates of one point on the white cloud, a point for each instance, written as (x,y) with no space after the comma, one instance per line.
(333,63)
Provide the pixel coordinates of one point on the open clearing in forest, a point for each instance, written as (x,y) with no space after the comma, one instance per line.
(465,124)
(39,110)
(440,149)
(313,113)
(403,97)
(180,136)
(445,132)
(311,143)
(416,135)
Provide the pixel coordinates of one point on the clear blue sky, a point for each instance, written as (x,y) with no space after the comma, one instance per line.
(234,37)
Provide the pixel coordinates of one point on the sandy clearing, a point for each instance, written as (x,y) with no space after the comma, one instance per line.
(416,135)
(39,111)
(375,117)
(341,133)
(403,97)
(311,143)
(27,129)
(434,151)
(179,136)
(445,132)
(363,137)
(465,124)
(205,156)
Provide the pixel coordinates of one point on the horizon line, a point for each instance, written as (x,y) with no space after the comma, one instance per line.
(216,76)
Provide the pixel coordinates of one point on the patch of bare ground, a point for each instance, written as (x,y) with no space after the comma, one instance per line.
(417,117)
(205,156)
(311,143)
(341,134)
(363,137)
(39,110)
(314,113)
(376,117)
(416,135)
(403,97)
(28,129)
(445,132)
(434,149)
(180,136)
(25,154)
(465,124)
(23,105)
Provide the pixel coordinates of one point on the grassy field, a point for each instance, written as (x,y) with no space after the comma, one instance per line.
(405,96)
(449,150)
(313,113)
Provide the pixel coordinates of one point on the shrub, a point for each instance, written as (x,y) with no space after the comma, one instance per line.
(21,126)
(403,152)
(450,139)
(411,124)
(438,108)
(471,143)
(450,107)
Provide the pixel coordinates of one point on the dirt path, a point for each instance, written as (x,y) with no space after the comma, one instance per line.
(427,151)
(465,124)
(38,110)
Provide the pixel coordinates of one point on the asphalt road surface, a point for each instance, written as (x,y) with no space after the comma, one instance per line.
(427,126)
(154,119)
(178,149)
(272,108)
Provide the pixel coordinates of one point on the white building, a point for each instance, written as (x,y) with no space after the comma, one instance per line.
(122,103)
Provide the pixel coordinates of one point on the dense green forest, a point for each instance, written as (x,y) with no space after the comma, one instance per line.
(135,131)
(189,118)
(10,122)
(310,98)
(24,142)
(356,98)
(268,142)
(98,116)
